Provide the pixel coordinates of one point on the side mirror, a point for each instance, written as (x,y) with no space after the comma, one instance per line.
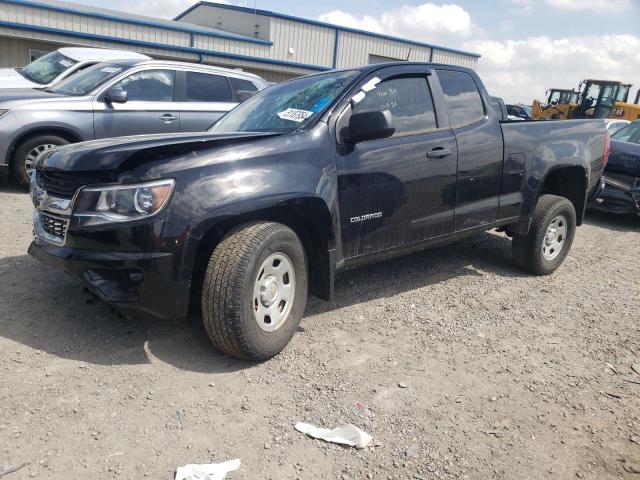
(116,96)
(372,125)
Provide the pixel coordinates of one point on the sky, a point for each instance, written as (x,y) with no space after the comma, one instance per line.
(527,46)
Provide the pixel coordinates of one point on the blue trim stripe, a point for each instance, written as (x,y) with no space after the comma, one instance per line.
(267,13)
(135,21)
(175,48)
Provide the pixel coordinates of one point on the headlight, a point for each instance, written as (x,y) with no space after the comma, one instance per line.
(120,203)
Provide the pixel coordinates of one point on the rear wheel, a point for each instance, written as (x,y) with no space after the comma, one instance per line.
(27,153)
(255,290)
(544,248)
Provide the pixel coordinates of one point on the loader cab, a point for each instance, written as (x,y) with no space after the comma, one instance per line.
(598,98)
(559,96)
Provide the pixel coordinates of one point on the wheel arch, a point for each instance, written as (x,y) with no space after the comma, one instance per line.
(308,217)
(570,182)
(67,133)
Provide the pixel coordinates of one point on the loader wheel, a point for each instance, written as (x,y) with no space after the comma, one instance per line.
(544,248)
(255,290)
(28,151)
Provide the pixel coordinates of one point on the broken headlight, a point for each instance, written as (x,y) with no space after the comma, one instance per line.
(120,203)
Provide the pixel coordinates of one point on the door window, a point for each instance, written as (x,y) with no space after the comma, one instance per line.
(204,87)
(148,86)
(462,98)
(409,101)
(242,88)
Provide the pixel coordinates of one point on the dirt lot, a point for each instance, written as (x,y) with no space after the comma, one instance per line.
(458,364)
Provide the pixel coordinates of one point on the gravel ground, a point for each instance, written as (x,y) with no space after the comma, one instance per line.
(460,366)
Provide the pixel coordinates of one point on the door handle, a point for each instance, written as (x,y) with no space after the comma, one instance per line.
(168,118)
(438,152)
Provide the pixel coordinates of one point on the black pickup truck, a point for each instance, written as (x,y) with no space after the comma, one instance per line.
(306,178)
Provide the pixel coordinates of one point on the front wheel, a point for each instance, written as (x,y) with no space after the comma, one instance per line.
(28,152)
(544,248)
(255,290)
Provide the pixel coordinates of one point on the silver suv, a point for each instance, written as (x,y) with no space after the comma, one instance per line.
(113,99)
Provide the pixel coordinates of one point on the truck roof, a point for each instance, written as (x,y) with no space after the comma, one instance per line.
(81,54)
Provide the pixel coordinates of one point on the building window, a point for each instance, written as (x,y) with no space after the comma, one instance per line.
(35,54)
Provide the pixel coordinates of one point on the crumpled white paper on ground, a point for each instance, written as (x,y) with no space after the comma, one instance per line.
(210,471)
(344,434)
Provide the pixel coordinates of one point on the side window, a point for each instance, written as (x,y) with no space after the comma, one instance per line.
(204,87)
(148,86)
(408,99)
(462,98)
(242,88)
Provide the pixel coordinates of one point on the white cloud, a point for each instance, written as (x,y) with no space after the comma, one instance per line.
(521,70)
(420,22)
(526,7)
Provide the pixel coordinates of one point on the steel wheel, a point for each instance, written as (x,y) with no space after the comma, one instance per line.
(555,237)
(273,292)
(33,155)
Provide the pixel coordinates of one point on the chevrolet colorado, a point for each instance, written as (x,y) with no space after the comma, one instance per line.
(306,178)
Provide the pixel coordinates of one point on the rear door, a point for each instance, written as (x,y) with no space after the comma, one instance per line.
(150,108)
(480,150)
(204,98)
(397,190)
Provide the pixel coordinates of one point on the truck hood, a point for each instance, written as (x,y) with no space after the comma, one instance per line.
(125,153)
(9,78)
(624,158)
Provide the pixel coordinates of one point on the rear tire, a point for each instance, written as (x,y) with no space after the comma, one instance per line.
(255,290)
(544,248)
(26,153)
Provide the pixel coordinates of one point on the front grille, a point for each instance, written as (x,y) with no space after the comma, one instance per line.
(65,184)
(625,182)
(53,225)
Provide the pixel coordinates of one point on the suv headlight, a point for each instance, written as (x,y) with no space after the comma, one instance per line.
(120,203)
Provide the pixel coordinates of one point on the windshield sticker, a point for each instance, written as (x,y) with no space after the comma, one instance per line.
(295,115)
(357,98)
(320,104)
(110,70)
(370,85)
(65,63)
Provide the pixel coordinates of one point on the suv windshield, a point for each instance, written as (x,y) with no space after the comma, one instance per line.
(46,68)
(286,107)
(84,82)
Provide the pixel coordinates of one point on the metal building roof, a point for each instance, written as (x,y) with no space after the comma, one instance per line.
(268,13)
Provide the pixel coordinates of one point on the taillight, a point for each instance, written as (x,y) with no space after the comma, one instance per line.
(607,148)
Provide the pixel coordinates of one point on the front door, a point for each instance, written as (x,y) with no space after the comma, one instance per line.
(398,190)
(150,106)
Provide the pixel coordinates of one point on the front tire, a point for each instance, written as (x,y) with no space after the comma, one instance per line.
(255,290)
(28,151)
(544,248)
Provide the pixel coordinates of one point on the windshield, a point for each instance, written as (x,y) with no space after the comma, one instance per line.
(286,107)
(84,82)
(46,68)
(630,133)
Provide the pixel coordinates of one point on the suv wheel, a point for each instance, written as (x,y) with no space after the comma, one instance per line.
(544,248)
(255,290)
(28,151)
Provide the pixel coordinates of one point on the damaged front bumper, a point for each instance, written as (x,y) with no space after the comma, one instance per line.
(619,194)
(133,282)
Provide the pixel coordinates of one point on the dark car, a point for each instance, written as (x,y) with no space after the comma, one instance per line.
(519,111)
(306,178)
(621,180)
